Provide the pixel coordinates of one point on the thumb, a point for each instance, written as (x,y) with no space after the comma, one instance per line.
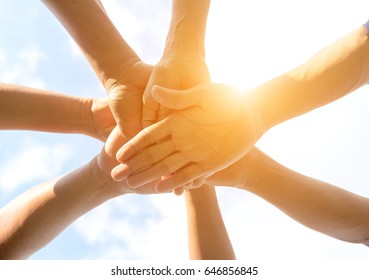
(178,99)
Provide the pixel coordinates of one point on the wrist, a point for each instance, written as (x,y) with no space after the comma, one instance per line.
(112,74)
(183,57)
(199,195)
(75,116)
(187,27)
(262,171)
(183,40)
(103,185)
(86,121)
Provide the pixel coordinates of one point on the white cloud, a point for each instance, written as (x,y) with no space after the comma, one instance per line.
(31,57)
(129,24)
(143,24)
(75,50)
(246,44)
(137,227)
(3,58)
(127,228)
(23,67)
(30,162)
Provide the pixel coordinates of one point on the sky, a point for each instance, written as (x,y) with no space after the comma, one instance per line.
(247,42)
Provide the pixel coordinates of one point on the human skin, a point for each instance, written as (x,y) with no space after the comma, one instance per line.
(207,235)
(183,61)
(36,217)
(123,75)
(215,124)
(182,65)
(32,220)
(320,206)
(24,108)
(119,69)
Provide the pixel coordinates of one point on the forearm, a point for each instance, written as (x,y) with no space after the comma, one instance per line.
(187,28)
(32,220)
(318,205)
(86,21)
(208,237)
(332,73)
(41,110)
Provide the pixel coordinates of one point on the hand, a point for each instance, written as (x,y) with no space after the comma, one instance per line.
(125,96)
(102,119)
(119,69)
(106,162)
(178,72)
(216,125)
(240,174)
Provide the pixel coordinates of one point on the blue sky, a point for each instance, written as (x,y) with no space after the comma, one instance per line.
(246,44)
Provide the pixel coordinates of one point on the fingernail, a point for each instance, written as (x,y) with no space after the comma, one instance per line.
(119,172)
(160,189)
(120,154)
(131,184)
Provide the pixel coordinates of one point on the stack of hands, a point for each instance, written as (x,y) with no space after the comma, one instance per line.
(169,128)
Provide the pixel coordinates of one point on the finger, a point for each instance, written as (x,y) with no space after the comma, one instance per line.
(167,166)
(189,185)
(149,110)
(144,159)
(179,99)
(143,140)
(149,117)
(178,191)
(180,178)
(129,120)
(195,183)
(148,188)
(198,182)
(126,109)
(118,172)
(129,130)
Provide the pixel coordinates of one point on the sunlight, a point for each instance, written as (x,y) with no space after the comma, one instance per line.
(247,43)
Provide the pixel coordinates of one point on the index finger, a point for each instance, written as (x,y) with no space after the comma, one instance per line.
(144,139)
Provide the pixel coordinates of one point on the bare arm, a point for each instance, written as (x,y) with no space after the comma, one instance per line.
(33,219)
(183,62)
(333,72)
(208,237)
(187,27)
(23,108)
(37,216)
(216,125)
(87,22)
(315,204)
(117,66)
